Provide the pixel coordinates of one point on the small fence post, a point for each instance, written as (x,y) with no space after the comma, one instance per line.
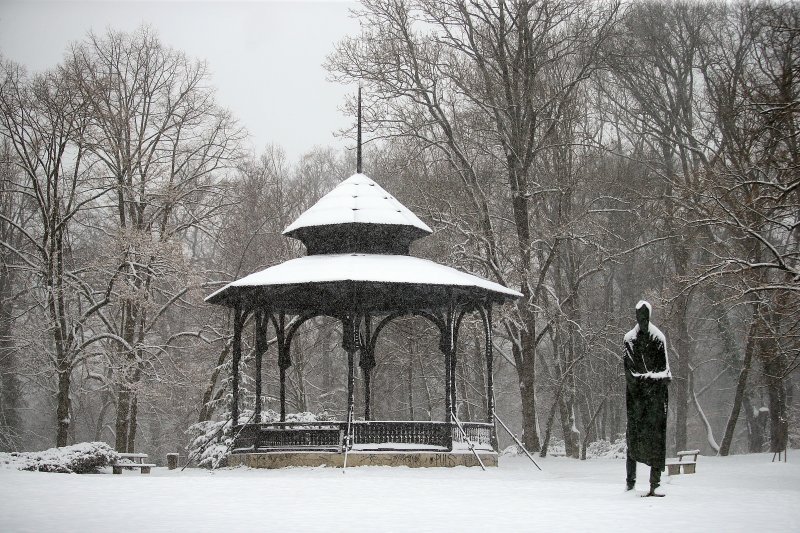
(172,461)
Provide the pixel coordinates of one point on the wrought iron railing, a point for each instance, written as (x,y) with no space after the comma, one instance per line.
(406,433)
(329,436)
(479,433)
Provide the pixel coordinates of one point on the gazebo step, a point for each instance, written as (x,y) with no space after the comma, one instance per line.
(267,449)
(359,458)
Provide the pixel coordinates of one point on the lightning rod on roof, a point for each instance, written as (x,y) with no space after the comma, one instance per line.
(358,140)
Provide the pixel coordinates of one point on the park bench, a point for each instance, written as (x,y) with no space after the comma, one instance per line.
(132,460)
(674,467)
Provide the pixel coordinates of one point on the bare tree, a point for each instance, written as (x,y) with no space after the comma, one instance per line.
(160,140)
(483,84)
(750,192)
(43,119)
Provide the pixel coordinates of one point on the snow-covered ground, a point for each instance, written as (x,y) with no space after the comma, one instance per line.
(740,493)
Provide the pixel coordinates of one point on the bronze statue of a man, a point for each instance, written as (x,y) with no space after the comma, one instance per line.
(647,377)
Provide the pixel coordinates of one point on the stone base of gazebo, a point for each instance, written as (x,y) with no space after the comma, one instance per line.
(413,459)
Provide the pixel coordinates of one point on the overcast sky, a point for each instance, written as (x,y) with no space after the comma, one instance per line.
(265,57)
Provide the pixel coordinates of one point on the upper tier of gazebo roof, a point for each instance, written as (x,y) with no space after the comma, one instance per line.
(358,215)
(358,238)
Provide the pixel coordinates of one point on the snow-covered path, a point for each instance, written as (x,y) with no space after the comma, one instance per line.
(741,493)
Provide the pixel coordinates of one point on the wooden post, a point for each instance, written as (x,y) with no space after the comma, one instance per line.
(238,319)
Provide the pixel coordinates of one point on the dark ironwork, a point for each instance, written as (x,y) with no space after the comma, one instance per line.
(284,358)
(351,341)
(238,325)
(371,435)
(478,432)
(408,433)
(470,443)
(486,316)
(367,363)
(367,431)
(262,323)
(447,347)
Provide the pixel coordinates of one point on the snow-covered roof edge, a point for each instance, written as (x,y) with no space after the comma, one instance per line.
(364,268)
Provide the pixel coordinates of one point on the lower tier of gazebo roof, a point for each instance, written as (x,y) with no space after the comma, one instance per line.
(374,283)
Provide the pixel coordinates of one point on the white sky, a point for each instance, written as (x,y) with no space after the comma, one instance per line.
(265,57)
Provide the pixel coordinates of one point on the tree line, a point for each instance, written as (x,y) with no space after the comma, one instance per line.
(588,155)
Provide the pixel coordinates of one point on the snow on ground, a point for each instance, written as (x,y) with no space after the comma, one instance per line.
(740,493)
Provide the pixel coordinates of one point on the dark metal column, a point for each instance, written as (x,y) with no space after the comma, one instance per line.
(367,363)
(284,360)
(487,330)
(238,320)
(486,315)
(261,348)
(446,347)
(350,343)
(453,362)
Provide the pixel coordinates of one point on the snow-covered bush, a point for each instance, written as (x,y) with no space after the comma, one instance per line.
(81,458)
(604,449)
(511,451)
(557,449)
(210,442)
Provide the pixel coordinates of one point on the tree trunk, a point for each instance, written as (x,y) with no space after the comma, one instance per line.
(425,387)
(132,423)
(567,417)
(756,425)
(548,430)
(739,395)
(299,367)
(462,388)
(527,391)
(64,403)
(207,408)
(776,393)
(10,391)
(121,426)
(480,365)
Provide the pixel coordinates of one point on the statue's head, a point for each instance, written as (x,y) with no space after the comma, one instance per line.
(643,312)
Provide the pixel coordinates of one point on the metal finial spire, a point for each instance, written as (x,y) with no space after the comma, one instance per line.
(358,141)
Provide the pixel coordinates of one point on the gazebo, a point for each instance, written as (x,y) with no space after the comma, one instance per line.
(358,270)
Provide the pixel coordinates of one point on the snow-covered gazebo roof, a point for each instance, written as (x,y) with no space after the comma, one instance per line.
(358,238)
(357,215)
